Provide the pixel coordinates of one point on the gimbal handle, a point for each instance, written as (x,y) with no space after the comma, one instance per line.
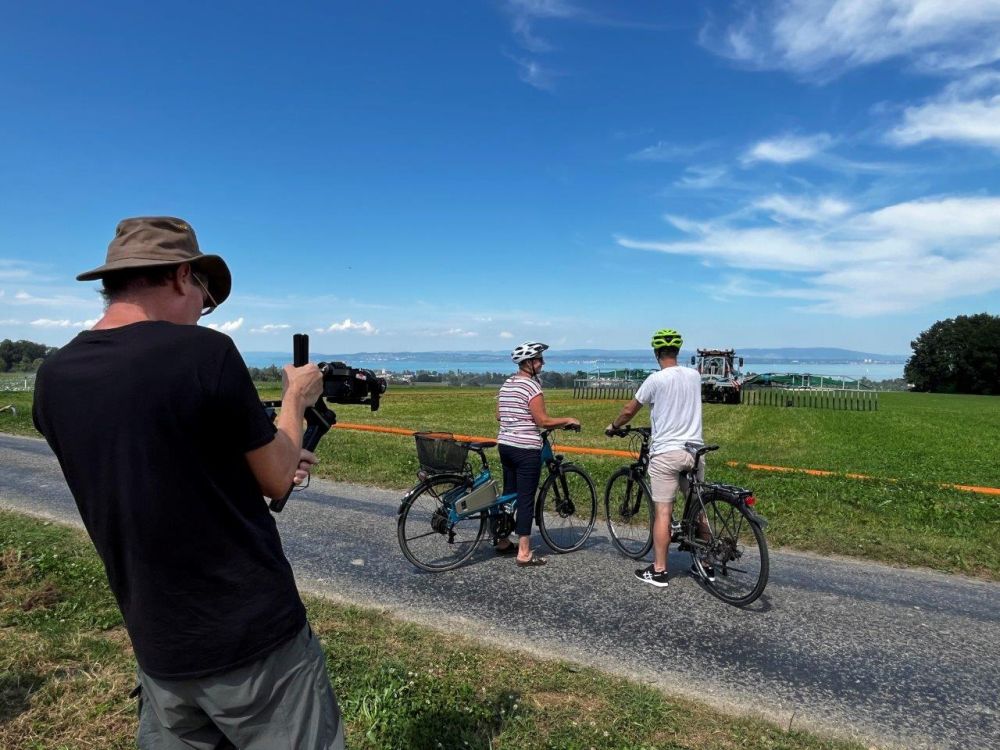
(319,418)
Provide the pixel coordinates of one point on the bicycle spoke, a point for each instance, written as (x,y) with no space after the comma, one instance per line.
(567,509)
(424,531)
(629,512)
(736,549)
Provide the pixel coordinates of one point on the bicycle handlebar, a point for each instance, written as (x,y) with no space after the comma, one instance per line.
(628,429)
(568,428)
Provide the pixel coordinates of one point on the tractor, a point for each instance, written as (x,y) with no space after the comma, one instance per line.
(721,375)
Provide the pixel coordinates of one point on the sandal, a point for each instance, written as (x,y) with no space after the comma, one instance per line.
(510,549)
(534,562)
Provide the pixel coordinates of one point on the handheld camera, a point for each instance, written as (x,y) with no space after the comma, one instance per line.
(342,384)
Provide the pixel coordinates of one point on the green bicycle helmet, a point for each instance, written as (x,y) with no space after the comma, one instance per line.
(667,337)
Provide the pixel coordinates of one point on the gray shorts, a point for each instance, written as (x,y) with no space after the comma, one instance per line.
(283,701)
(665,474)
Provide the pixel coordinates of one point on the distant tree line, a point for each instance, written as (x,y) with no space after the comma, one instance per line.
(957,355)
(22,356)
(272,374)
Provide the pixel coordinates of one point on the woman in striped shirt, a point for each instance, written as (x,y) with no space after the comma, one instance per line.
(522,416)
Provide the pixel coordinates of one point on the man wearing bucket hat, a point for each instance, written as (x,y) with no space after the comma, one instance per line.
(163,442)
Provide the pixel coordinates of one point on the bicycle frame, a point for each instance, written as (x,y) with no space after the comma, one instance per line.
(693,497)
(548,458)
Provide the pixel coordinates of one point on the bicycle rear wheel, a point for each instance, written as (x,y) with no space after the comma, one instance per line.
(426,537)
(628,506)
(736,549)
(567,508)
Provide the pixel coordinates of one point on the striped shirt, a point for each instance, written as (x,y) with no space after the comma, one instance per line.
(517,428)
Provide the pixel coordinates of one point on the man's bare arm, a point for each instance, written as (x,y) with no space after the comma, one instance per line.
(628,411)
(275,465)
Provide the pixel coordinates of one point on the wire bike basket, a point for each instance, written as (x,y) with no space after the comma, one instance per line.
(439,452)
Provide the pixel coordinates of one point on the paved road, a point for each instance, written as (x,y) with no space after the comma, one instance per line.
(892,657)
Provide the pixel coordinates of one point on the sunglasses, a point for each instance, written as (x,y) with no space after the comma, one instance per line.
(209,303)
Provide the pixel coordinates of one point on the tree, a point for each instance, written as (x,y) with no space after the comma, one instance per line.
(957,355)
(22,356)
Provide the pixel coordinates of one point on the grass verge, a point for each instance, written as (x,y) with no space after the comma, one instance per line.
(66,669)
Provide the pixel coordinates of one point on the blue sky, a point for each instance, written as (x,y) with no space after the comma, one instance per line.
(467,175)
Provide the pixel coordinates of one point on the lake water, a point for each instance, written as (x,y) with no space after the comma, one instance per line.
(440,362)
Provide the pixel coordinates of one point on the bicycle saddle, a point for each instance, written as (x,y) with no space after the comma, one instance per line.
(700,450)
(480,444)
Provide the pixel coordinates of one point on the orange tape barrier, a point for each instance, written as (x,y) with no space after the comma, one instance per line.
(627,454)
(824,473)
(475,438)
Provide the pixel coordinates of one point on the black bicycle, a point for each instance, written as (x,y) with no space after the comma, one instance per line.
(717,525)
(444,517)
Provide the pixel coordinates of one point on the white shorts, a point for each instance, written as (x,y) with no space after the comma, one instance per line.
(665,474)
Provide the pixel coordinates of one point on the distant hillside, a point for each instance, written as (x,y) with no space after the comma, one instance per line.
(817,354)
(783,354)
(779,355)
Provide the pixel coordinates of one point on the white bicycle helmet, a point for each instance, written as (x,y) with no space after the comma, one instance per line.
(527,350)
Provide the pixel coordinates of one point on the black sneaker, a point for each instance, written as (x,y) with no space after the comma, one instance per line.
(701,569)
(649,575)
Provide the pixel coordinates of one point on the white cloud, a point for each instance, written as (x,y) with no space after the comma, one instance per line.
(349,325)
(702,177)
(782,207)
(665,151)
(506,335)
(787,149)
(900,257)
(535,74)
(63,323)
(823,38)
(967,111)
(524,14)
(12,270)
(459,333)
(25,298)
(228,326)
(271,328)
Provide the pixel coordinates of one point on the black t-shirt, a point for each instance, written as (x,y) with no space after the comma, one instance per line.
(151,423)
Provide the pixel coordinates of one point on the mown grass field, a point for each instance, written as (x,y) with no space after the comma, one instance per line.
(913,444)
(66,669)
(902,516)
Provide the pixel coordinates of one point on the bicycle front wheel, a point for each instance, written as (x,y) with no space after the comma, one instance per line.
(567,508)
(628,506)
(736,549)
(427,538)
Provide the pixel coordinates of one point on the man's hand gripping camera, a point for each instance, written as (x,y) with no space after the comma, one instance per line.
(342,384)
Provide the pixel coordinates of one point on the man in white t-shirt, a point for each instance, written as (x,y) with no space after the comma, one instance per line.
(674,397)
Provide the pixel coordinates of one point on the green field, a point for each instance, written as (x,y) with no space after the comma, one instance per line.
(66,670)
(902,515)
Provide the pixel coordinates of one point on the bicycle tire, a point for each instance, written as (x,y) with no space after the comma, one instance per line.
(628,507)
(426,538)
(737,550)
(567,508)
